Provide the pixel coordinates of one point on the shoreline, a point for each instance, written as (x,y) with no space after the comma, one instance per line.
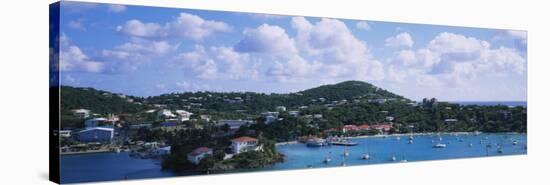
(406,134)
(87,152)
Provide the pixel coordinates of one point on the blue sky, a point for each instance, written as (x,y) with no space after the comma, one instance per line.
(148,51)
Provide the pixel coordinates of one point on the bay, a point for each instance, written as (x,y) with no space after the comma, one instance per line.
(119,166)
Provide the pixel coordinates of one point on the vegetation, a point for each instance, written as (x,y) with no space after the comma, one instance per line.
(350,102)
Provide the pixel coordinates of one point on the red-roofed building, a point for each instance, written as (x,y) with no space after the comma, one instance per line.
(364,127)
(244,144)
(198,154)
(349,128)
(383,127)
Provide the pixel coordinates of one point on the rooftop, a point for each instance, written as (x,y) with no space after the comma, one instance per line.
(200,150)
(244,139)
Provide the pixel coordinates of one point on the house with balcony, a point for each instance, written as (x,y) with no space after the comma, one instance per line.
(244,144)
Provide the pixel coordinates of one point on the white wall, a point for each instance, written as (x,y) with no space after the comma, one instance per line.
(24,81)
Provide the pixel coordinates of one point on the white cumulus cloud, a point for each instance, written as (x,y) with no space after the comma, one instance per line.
(363,25)
(455,60)
(72,58)
(399,40)
(266,39)
(187,26)
(216,63)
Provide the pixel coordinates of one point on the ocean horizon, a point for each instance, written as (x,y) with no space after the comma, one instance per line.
(492,103)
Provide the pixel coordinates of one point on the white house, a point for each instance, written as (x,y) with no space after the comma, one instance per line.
(270,116)
(244,144)
(280,108)
(96,134)
(81,113)
(198,154)
(205,117)
(183,115)
(165,113)
(65,133)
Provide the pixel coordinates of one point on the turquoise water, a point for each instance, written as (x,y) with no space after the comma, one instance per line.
(382,149)
(113,166)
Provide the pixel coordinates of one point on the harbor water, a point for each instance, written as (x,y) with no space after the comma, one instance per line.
(390,149)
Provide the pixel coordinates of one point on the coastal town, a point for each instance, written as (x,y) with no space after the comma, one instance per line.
(192,132)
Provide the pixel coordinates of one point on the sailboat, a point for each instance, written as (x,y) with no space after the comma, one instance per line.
(439,144)
(366,156)
(345,153)
(410,141)
(344,158)
(393,158)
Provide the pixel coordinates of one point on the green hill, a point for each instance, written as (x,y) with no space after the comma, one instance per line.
(348,90)
(101,102)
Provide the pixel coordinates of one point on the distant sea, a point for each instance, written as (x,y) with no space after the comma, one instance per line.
(491,103)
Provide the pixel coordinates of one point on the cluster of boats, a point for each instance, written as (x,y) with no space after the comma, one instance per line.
(318,142)
(437,143)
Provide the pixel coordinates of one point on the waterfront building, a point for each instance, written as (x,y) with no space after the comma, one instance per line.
(383,128)
(364,127)
(96,134)
(347,128)
(81,113)
(162,151)
(65,133)
(244,144)
(96,122)
(198,154)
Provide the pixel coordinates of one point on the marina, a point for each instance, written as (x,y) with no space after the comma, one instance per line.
(368,150)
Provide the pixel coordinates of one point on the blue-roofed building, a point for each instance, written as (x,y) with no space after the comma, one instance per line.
(96,134)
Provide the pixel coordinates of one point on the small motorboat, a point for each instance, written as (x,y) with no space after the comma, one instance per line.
(440,145)
(365,156)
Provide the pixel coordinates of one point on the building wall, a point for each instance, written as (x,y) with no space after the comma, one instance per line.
(96,135)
